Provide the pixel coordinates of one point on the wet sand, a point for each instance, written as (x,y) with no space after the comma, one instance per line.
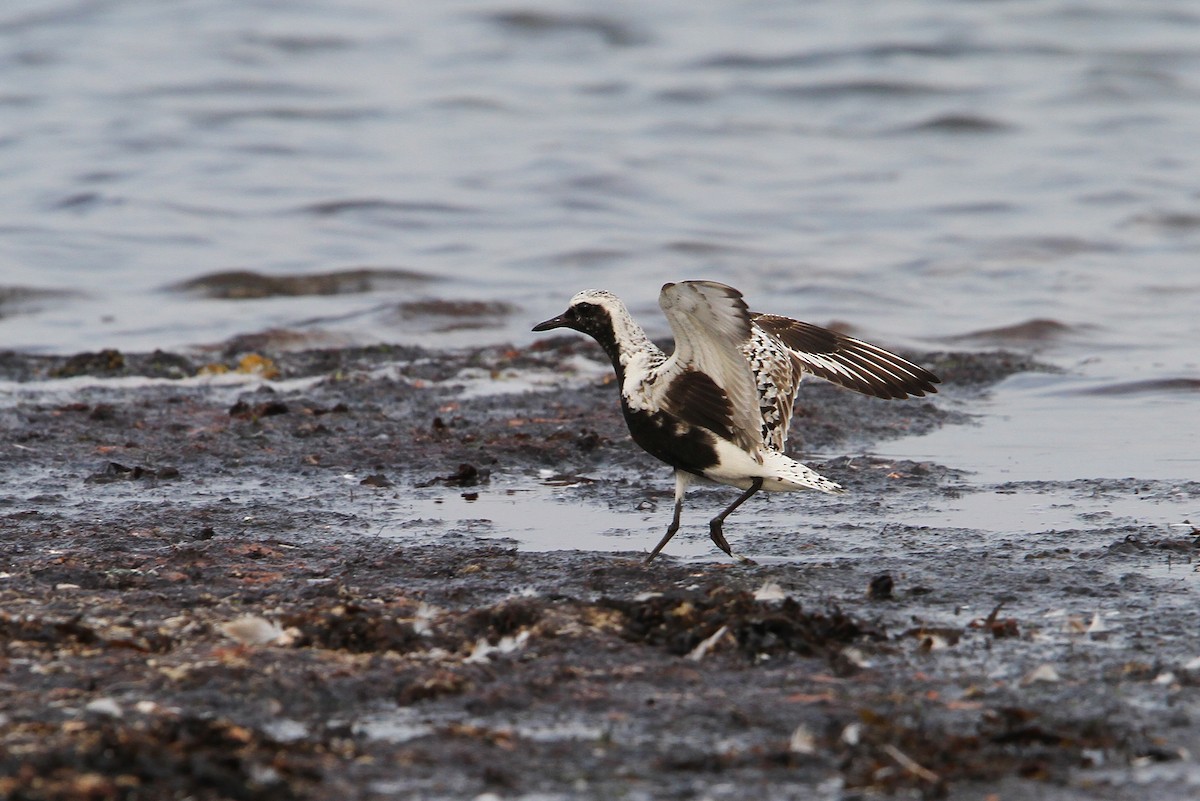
(197,602)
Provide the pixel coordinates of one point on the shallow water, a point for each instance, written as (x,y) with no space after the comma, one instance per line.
(802,528)
(925,172)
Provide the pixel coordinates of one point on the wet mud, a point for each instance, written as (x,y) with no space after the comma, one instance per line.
(196,601)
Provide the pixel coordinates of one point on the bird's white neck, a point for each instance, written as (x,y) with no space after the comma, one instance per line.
(630,343)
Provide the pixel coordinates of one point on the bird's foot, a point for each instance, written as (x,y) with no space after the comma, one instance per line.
(718,536)
(715,530)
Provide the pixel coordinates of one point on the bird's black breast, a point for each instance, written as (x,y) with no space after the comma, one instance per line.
(665,437)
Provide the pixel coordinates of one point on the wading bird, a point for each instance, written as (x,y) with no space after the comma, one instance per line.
(719,406)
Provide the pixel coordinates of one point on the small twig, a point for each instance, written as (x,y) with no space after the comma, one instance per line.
(706,645)
(911,765)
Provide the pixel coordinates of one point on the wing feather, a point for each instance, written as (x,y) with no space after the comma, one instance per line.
(847,361)
(711,323)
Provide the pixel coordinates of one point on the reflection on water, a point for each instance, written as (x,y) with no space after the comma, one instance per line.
(1058,428)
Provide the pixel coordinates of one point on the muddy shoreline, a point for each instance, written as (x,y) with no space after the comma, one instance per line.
(196,602)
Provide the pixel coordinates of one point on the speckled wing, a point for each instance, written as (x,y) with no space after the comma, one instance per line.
(707,380)
(777,375)
(850,362)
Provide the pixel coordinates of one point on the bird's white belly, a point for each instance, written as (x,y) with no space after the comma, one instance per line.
(779,473)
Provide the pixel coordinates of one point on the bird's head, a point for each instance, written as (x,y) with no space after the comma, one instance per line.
(591,312)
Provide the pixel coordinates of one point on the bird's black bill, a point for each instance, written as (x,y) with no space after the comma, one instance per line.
(561,321)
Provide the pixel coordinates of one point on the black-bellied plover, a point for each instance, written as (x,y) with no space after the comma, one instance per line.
(719,406)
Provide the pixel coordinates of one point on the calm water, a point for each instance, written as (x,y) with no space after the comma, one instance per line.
(924,170)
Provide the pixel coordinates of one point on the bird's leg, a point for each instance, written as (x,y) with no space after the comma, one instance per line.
(671,529)
(682,480)
(716,525)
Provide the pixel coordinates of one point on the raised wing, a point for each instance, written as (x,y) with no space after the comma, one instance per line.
(707,381)
(850,362)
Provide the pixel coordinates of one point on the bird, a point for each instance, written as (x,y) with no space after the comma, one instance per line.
(719,406)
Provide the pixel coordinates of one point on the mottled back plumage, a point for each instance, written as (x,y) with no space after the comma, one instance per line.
(777,376)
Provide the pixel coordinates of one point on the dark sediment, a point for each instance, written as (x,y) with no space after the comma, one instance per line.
(246,634)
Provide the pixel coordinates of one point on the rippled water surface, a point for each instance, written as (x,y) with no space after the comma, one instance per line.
(938,174)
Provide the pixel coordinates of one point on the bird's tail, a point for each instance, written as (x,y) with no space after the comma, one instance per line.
(781,472)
